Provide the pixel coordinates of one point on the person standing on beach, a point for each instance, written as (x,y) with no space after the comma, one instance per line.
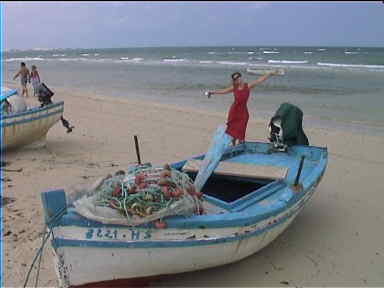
(24,78)
(35,79)
(238,113)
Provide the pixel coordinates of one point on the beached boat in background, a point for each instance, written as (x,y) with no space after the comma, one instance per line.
(253,195)
(27,127)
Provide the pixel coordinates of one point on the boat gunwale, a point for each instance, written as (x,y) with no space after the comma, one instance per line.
(31,119)
(287,198)
(32,110)
(7,92)
(58,242)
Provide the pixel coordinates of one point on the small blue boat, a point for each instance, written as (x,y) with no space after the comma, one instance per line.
(253,195)
(29,126)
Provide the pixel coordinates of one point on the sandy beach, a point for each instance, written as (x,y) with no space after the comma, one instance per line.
(337,240)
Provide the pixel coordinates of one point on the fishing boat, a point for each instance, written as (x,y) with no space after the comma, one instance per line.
(252,196)
(27,127)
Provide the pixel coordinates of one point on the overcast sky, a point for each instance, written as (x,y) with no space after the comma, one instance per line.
(131,24)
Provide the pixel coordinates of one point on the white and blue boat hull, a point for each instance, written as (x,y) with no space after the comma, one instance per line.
(89,252)
(30,126)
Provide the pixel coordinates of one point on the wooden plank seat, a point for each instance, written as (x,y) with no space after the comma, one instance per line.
(240,169)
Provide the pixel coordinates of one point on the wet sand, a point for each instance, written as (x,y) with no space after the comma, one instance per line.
(337,240)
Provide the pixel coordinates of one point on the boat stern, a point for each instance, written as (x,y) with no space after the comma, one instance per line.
(54,205)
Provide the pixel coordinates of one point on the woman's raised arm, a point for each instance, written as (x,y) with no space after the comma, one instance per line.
(220,91)
(262,79)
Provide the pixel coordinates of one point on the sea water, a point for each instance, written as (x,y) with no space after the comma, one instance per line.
(343,85)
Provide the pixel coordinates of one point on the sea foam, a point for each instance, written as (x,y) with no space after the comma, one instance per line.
(351,65)
(287,62)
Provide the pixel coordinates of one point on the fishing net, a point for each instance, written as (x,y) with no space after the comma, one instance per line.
(220,142)
(17,104)
(140,195)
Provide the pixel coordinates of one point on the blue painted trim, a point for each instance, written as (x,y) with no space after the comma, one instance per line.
(8,93)
(216,201)
(58,242)
(31,119)
(34,110)
(249,199)
(2,150)
(280,201)
(258,195)
(248,213)
(231,219)
(53,203)
(236,205)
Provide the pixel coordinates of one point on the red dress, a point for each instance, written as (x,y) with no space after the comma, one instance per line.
(238,113)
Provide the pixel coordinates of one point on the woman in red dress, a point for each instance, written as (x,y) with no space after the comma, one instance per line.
(238,113)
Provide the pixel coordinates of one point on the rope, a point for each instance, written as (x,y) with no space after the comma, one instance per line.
(148,197)
(38,266)
(45,238)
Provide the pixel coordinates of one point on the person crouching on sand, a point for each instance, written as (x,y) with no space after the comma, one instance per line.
(238,113)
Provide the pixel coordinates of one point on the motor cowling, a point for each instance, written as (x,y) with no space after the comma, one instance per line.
(44,94)
(285,127)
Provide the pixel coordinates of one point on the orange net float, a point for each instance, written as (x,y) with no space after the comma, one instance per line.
(159,224)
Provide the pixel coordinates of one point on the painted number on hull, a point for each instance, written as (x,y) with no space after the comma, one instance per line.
(115,234)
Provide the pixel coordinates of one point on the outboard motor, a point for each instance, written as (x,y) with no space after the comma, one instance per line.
(276,134)
(286,127)
(44,96)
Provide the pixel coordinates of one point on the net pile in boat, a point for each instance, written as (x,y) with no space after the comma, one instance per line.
(140,195)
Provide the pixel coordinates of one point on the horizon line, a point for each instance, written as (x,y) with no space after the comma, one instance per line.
(191,46)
